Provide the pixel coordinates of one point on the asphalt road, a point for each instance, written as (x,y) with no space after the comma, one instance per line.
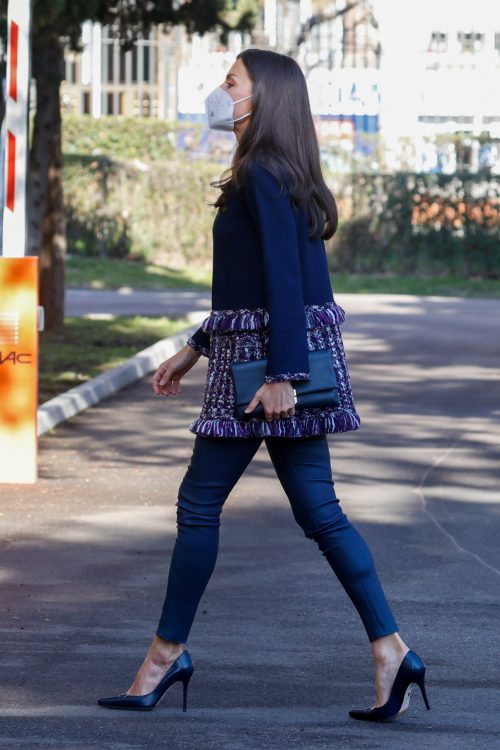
(279,652)
(79,302)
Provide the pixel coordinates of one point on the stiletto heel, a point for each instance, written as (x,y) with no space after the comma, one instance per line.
(181,669)
(411,671)
(185,683)
(421,685)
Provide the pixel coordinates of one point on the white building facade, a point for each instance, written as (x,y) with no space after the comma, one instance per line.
(440,72)
(422,78)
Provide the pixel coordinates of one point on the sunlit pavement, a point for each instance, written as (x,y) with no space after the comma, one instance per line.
(125,301)
(280,654)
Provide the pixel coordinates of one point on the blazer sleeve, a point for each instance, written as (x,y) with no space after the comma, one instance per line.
(200,341)
(273,215)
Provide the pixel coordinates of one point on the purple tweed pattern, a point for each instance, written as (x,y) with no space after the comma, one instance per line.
(287,376)
(242,335)
(198,347)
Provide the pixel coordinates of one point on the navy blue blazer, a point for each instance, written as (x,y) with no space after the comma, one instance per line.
(263,258)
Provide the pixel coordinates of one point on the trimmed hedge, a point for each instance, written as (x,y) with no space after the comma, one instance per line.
(158,212)
(419,224)
(138,196)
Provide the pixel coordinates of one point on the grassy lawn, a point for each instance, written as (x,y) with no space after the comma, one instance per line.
(85,348)
(445,286)
(105,273)
(109,273)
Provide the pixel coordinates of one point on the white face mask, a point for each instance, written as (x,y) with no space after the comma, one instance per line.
(219,106)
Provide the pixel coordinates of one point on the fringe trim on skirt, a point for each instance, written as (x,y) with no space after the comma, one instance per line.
(246,319)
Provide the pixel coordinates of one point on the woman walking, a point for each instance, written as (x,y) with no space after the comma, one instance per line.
(271,299)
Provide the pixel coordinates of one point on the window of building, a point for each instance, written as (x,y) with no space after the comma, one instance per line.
(109,50)
(134,63)
(123,59)
(440,119)
(438,42)
(470,41)
(145,64)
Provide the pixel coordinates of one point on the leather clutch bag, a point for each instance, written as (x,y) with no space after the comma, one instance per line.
(321,390)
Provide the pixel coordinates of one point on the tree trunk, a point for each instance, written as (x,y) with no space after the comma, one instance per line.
(46,220)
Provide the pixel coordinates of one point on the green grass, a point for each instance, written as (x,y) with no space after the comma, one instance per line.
(446,286)
(105,273)
(85,348)
(109,273)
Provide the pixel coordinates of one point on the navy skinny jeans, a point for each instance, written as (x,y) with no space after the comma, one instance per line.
(304,470)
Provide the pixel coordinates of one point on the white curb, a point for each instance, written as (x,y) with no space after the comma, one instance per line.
(77,399)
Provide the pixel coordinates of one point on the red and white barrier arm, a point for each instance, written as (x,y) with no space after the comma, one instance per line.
(15,128)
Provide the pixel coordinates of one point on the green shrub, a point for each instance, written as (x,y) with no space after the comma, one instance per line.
(418,224)
(156,212)
(118,137)
(131,193)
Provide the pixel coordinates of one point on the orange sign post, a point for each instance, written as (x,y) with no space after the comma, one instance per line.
(18,273)
(18,369)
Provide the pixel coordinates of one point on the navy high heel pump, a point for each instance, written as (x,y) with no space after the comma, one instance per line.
(411,671)
(181,669)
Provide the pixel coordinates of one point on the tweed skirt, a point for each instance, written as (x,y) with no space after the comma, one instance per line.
(242,335)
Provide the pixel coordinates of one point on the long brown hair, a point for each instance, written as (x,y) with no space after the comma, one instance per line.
(281,129)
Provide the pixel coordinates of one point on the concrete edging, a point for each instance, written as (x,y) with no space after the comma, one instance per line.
(60,408)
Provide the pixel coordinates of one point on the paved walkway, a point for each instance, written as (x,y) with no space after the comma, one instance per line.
(280,655)
(135,302)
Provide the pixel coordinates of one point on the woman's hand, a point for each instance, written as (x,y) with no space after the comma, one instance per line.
(167,376)
(278,400)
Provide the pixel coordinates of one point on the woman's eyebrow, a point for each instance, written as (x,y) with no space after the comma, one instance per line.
(232,74)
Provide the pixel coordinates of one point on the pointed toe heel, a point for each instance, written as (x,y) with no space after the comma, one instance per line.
(411,671)
(181,670)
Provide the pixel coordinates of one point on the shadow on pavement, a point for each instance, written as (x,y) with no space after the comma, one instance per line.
(280,654)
